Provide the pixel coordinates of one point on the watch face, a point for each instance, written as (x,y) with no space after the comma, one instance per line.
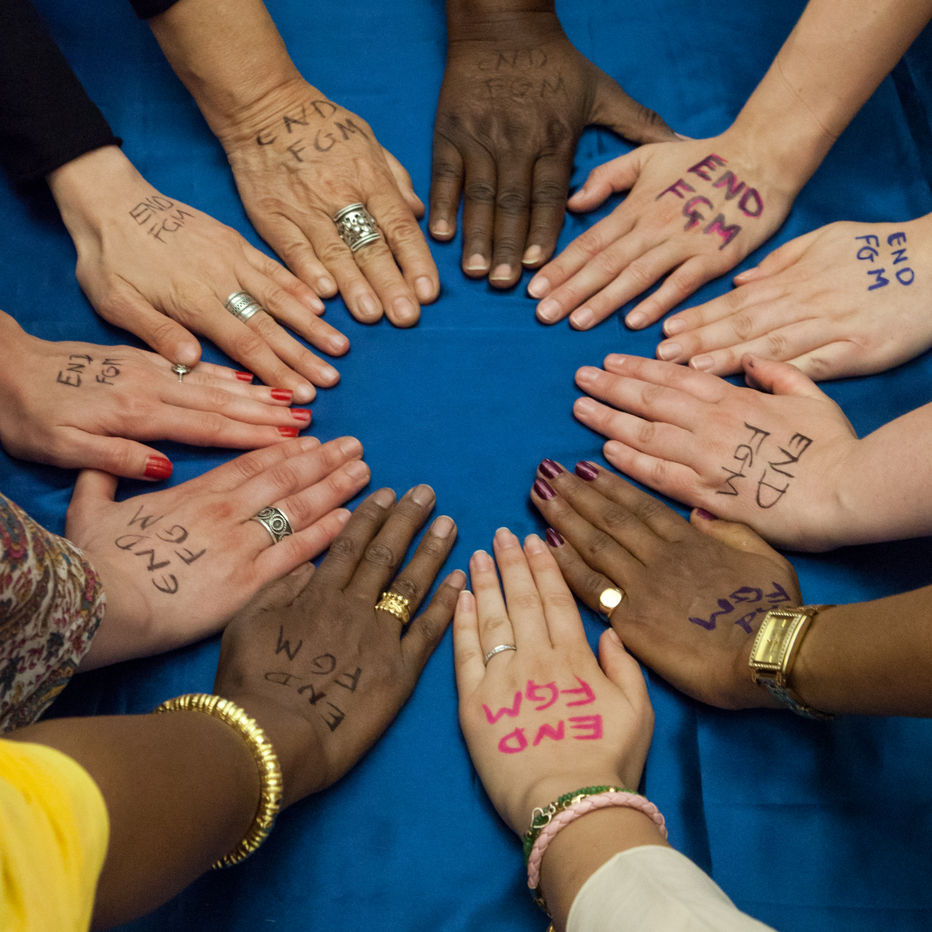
(770,647)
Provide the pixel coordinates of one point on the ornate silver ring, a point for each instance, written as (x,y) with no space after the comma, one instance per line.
(356,226)
(275,521)
(242,305)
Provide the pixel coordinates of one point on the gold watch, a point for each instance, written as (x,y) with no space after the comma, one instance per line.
(774,651)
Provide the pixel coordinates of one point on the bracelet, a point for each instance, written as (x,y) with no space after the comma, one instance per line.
(545,823)
(270,773)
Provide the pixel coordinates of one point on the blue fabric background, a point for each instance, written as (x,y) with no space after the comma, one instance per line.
(805,825)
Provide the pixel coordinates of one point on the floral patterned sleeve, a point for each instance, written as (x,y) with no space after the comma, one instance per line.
(51,602)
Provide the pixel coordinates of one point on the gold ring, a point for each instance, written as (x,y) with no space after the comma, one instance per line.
(396,605)
(609,600)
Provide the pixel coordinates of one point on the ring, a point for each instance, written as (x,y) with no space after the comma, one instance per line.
(356,226)
(396,605)
(609,600)
(498,649)
(181,370)
(242,305)
(275,521)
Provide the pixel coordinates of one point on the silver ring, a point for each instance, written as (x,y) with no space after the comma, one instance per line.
(242,305)
(356,226)
(609,599)
(275,521)
(498,649)
(181,370)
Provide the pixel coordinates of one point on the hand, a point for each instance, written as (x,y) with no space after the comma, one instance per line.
(325,657)
(848,299)
(163,270)
(298,159)
(694,594)
(546,718)
(77,405)
(515,99)
(773,462)
(695,209)
(178,563)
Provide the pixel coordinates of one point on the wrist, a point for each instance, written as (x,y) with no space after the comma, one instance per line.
(489,21)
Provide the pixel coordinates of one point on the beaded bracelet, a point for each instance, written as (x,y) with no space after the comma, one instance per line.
(270,774)
(545,823)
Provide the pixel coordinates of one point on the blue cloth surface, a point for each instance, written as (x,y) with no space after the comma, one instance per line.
(805,825)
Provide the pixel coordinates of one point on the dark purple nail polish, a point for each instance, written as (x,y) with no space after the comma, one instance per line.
(706,515)
(586,470)
(554,538)
(549,468)
(543,489)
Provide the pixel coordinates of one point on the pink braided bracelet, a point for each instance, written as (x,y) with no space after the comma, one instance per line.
(580,808)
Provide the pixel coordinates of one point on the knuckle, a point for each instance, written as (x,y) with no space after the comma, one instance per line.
(380,554)
(776,345)
(343,546)
(407,588)
(512,203)
(743,325)
(480,192)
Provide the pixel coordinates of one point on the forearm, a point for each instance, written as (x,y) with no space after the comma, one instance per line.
(869,658)
(465,17)
(832,61)
(229,56)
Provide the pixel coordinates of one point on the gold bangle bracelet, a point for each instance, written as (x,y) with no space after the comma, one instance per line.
(270,773)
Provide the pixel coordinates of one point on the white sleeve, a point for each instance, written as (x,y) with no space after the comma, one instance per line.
(653,887)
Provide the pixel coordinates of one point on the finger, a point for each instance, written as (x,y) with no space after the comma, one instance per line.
(405,185)
(625,672)
(347,550)
(842,359)
(446,185)
(126,308)
(383,556)
(779,378)
(778,260)
(587,583)
(704,388)
(116,456)
(494,624)
(425,632)
(522,600)
(559,608)
(227,401)
(479,191)
(512,214)
(734,535)
(293,288)
(673,479)
(273,562)
(467,651)
(548,206)
(410,252)
(604,180)
(290,360)
(414,581)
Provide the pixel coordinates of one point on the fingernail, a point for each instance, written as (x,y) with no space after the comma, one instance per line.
(357,469)
(587,470)
(329,375)
(582,192)
(441,228)
(301,414)
(706,515)
(548,310)
(476,263)
(481,560)
(581,318)
(537,287)
(350,446)
(158,467)
(338,345)
(244,376)
(501,273)
(326,285)
(635,319)
(532,255)
(424,288)
(457,579)
(384,498)
(422,495)
(281,394)
(701,362)
(543,489)
(554,538)
(405,310)
(615,359)
(504,538)
(669,350)
(304,393)
(674,326)
(549,468)
(368,307)
(585,407)
(288,431)
(442,527)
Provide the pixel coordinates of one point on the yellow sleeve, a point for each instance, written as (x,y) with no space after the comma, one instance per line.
(53,839)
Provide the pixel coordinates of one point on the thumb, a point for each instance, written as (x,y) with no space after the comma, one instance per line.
(776,261)
(623,115)
(732,534)
(617,175)
(778,378)
(92,489)
(620,667)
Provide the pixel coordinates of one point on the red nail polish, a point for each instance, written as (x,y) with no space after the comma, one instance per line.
(543,489)
(301,414)
(158,467)
(281,394)
(244,376)
(554,538)
(586,470)
(549,468)
(706,515)
(288,431)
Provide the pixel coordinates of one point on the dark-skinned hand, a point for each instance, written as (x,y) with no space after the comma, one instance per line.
(695,591)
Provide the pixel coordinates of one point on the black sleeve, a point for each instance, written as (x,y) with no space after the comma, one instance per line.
(46,117)
(146,8)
